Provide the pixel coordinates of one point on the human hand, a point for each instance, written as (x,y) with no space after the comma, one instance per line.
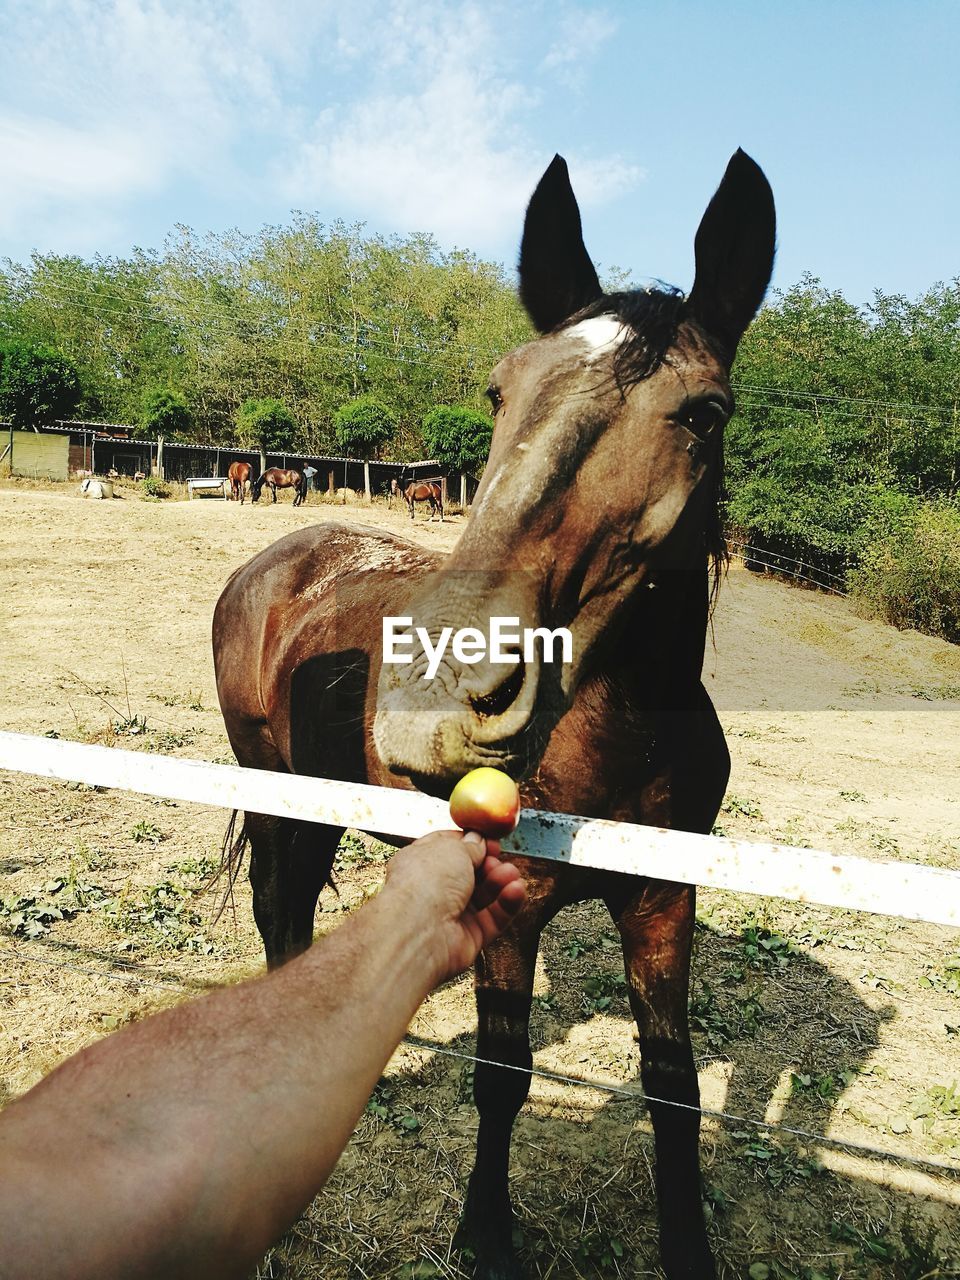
(464,893)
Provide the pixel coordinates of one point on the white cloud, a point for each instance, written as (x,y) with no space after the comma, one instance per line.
(414,114)
(582,33)
(439,143)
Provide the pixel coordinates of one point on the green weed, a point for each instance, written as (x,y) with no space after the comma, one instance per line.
(599,991)
(384,1105)
(944,976)
(357,850)
(147,832)
(826,1085)
(718,1025)
(939,1102)
(744,808)
(772,1163)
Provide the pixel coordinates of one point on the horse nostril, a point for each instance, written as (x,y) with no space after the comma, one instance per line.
(503,696)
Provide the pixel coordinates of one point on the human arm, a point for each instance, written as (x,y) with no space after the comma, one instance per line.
(184,1145)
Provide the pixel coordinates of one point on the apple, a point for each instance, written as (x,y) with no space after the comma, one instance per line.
(486,800)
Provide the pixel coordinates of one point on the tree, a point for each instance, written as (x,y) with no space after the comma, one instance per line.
(361,427)
(269,424)
(165,413)
(460,439)
(37,385)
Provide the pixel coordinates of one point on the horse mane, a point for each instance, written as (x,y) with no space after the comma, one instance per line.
(654,315)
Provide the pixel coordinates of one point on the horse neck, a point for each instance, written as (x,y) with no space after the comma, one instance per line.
(660,648)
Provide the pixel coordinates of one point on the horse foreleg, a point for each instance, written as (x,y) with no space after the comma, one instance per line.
(290,863)
(656,927)
(505,971)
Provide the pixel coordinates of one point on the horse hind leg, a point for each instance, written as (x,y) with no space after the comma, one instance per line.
(656,928)
(290,862)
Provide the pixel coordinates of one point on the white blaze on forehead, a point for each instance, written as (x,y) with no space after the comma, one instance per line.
(601,334)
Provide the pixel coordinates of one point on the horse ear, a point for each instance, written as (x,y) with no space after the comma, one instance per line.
(557,277)
(734,252)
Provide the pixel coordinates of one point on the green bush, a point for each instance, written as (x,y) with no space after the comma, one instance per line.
(165,413)
(363,425)
(153,487)
(909,574)
(459,438)
(268,423)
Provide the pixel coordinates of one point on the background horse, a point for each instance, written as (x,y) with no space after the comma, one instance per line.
(421,491)
(603,482)
(275,479)
(238,474)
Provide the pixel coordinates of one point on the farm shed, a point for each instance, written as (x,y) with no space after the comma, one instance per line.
(42,456)
(100,446)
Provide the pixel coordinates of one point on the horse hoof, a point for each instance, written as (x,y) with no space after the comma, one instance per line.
(687,1264)
(492,1260)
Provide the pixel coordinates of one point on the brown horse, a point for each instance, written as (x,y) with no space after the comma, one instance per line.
(598,511)
(275,478)
(238,473)
(420,491)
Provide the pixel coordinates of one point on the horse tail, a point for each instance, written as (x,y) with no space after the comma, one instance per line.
(231,860)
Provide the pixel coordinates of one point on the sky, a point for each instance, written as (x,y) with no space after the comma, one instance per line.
(120,119)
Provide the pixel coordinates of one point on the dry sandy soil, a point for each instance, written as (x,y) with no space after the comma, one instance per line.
(844,735)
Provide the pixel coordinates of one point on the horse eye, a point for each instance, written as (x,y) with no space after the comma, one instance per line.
(496,400)
(703,417)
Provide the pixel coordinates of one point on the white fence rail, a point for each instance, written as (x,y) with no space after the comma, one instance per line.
(902,889)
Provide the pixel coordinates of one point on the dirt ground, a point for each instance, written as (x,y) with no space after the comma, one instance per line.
(844,736)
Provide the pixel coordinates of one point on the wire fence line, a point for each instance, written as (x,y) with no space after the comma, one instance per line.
(939,1167)
(770,559)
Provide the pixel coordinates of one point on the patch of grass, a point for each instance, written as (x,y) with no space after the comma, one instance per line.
(855,796)
(357,850)
(826,1085)
(870,1244)
(599,991)
(882,842)
(163,914)
(31,915)
(763,948)
(169,739)
(920,1259)
(386,1105)
(947,692)
(599,1249)
(772,1163)
(579,946)
(192,700)
(939,1102)
(743,808)
(793,833)
(147,832)
(132,726)
(720,1023)
(944,976)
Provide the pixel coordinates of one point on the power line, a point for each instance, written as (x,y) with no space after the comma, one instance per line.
(155,311)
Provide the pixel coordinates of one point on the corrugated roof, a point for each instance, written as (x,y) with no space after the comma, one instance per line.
(74,425)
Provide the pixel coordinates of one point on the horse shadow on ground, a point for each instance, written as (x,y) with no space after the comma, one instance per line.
(779,1039)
